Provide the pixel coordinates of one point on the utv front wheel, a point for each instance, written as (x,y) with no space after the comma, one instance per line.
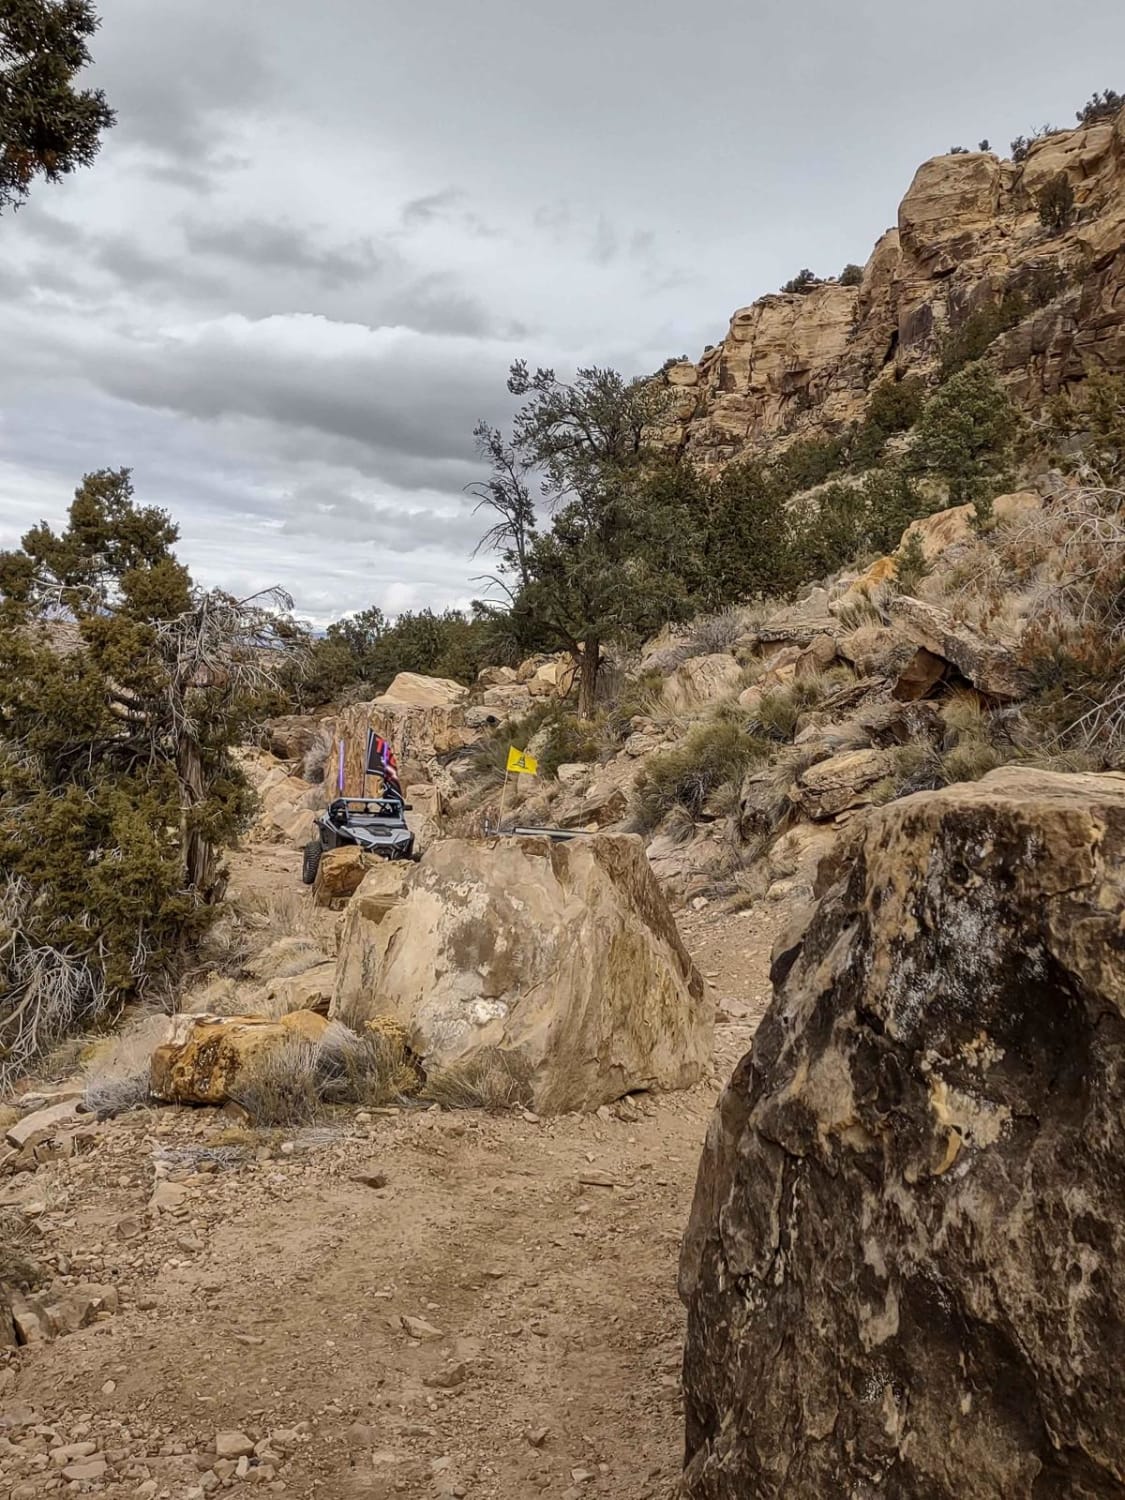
(311,862)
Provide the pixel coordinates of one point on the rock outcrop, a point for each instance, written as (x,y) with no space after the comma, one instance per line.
(968,234)
(905,1264)
(561,957)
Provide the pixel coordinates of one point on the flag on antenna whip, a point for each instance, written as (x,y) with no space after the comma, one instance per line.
(519,760)
(381,761)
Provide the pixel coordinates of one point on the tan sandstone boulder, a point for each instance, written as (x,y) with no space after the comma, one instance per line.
(563,957)
(841,782)
(906,1252)
(205,1056)
(339,874)
(701,680)
(416,691)
(987,664)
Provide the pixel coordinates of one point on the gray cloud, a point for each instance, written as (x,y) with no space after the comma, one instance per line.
(267,245)
(298,271)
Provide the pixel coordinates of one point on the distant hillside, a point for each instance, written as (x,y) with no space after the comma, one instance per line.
(970,266)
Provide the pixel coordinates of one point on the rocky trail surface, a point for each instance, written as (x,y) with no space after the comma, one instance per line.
(408,1303)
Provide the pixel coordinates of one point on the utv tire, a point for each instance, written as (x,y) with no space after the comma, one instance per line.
(311,862)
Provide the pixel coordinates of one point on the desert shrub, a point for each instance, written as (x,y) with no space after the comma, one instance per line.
(710,756)
(984,145)
(1056,203)
(116,1079)
(569,739)
(803,282)
(910,564)
(46,991)
(1021,146)
(316,756)
(776,715)
(970,759)
(851,275)
(1096,411)
(490,1079)
(859,612)
(1101,106)
(893,406)
(711,634)
(807,463)
(292,1084)
(958,151)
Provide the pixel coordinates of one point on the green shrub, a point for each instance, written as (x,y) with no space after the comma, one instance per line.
(568,739)
(1056,203)
(803,282)
(966,435)
(780,708)
(851,275)
(910,564)
(1100,107)
(712,755)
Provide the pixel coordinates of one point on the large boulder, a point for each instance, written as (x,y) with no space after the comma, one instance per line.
(292,736)
(987,664)
(905,1264)
(701,680)
(414,690)
(340,873)
(206,1056)
(562,956)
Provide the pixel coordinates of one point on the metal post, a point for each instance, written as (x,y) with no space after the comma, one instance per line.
(503,794)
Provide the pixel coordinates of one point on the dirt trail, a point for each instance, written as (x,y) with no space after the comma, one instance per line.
(269,1297)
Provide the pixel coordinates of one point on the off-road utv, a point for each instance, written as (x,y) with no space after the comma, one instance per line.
(376,824)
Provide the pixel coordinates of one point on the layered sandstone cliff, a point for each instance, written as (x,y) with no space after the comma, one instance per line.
(968,236)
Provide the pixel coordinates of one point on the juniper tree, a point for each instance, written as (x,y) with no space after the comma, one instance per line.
(124,690)
(48,127)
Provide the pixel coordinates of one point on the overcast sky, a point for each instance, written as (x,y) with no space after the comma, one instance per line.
(299,269)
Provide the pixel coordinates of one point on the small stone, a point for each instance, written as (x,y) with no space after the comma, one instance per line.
(109,1387)
(68,1453)
(538,1436)
(371,1179)
(446,1379)
(287,1148)
(146,1489)
(86,1470)
(360,1435)
(418,1328)
(190,1244)
(233,1445)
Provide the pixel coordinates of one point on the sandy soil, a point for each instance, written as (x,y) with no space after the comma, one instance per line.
(268,1297)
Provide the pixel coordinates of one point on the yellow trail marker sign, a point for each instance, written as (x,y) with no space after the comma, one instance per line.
(519,760)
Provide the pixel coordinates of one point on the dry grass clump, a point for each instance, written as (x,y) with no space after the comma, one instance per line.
(780,708)
(116,1078)
(293,1084)
(490,1079)
(316,756)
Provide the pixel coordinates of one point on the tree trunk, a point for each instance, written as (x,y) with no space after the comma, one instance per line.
(199,854)
(588,677)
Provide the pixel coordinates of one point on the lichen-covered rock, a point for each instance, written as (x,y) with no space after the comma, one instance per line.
(562,956)
(905,1264)
(205,1056)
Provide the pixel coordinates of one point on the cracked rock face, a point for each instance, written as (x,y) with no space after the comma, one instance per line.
(905,1266)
